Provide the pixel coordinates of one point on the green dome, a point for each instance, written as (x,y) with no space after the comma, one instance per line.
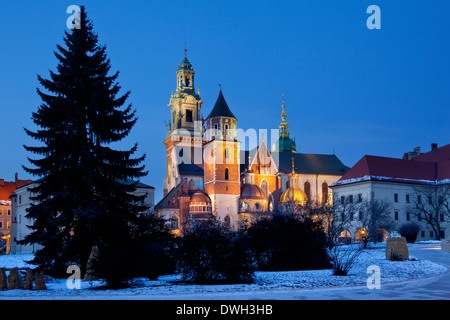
(284,144)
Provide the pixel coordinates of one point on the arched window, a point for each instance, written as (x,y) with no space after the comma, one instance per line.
(226,129)
(265,188)
(174,223)
(307,189)
(227,174)
(324,192)
(191,185)
(227,222)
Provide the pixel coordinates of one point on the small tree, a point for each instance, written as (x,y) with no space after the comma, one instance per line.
(339,217)
(343,258)
(288,242)
(432,204)
(146,253)
(409,231)
(375,215)
(214,255)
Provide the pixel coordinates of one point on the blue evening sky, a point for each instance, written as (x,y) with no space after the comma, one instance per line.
(349,90)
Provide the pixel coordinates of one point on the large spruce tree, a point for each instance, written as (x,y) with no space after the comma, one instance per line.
(84,197)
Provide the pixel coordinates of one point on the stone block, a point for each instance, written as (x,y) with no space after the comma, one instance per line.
(396,249)
(3,280)
(445,245)
(15,280)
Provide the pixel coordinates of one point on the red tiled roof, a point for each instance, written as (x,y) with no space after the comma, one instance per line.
(8,187)
(438,155)
(429,167)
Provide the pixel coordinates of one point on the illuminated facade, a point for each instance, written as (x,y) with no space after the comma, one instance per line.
(209,176)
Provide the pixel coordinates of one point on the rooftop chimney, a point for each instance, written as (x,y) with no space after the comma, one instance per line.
(434,147)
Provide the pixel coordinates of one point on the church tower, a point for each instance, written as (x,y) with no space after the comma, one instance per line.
(284,141)
(221,158)
(184,137)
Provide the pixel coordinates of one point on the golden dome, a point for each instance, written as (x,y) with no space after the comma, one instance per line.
(293,195)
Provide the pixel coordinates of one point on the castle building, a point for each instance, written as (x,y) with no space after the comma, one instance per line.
(416,188)
(209,176)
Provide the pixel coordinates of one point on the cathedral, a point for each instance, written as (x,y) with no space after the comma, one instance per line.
(210,177)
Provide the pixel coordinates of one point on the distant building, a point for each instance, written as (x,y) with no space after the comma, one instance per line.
(7,188)
(209,176)
(400,182)
(21,200)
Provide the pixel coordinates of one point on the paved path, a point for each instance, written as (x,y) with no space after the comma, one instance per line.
(432,288)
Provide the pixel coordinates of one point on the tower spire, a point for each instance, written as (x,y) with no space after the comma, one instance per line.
(284,127)
(284,141)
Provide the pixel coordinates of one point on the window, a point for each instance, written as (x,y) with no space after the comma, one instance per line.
(342,200)
(226,153)
(307,188)
(324,192)
(407,198)
(227,174)
(265,188)
(419,199)
(191,185)
(396,215)
(422,233)
(431,234)
(226,129)
(408,216)
(351,216)
(174,223)
(441,217)
(227,222)
(395,197)
(9,212)
(188,115)
(350,198)
(442,234)
(360,215)
(257,206)
(216,131)
(359,197)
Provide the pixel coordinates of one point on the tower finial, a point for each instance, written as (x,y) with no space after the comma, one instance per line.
(283,105)
(293,166)
(185,49)
(220,86)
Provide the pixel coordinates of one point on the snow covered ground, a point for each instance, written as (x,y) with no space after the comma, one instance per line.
(391,271)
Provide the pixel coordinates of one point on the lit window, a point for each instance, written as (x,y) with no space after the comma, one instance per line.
(174,223)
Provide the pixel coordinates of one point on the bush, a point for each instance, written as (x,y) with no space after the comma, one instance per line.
(288,242)
(147,253)
(409,231)
(343,258)
(214,255)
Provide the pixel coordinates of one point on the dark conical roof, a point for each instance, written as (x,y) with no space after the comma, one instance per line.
(221,108)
